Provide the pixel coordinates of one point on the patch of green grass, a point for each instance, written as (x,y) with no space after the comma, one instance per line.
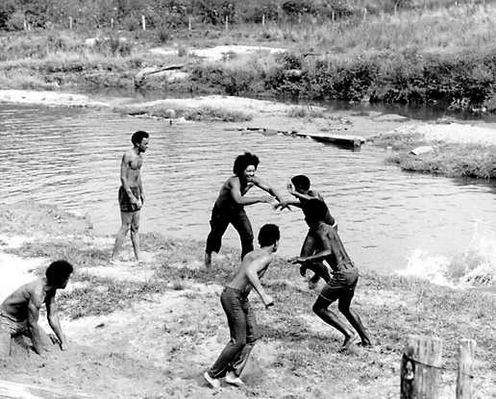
(452,160)
(101,296)
(193,114)
(305,112)
(398,141)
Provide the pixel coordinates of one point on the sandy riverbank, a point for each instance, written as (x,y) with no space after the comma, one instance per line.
(153,336)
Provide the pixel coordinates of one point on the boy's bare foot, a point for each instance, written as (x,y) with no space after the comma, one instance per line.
(348,341)
(233,379)
(213,382)
(208,260)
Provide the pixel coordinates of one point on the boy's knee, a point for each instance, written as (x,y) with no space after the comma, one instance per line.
(134,228)
(318,309)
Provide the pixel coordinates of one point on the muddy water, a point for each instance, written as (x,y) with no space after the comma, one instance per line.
(70,157)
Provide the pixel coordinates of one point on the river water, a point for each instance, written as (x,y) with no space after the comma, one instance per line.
(387,218)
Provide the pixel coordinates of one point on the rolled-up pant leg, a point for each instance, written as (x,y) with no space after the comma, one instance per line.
(218,226)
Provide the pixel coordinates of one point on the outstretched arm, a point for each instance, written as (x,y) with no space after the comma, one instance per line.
(53,320)
(272,191)
(308,196)
(242,200)
(252,271)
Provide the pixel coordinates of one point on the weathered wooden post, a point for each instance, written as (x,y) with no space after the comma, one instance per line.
(263,19)
(189,23)
(464,380)
(143,22)
(227,23)
(365,13)
(420,368)
(70,23)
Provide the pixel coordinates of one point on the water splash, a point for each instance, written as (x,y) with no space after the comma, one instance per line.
(473,267)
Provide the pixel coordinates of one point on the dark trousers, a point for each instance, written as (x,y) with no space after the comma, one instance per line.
(219,221)
(243,330)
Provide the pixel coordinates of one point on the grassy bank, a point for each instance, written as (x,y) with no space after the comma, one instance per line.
(416,56)
(297,353)
(445,159)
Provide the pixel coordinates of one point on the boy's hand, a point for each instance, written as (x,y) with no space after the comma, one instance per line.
(268,301)
(267,199)
(282,205)
(296,259)
(291,188)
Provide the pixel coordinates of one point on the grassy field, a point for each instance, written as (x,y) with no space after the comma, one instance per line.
(127,333)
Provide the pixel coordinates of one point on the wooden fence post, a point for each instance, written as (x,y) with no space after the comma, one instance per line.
(464,380)
(420,367)
(70,23)
(189,23)
(227,23)
(143,22)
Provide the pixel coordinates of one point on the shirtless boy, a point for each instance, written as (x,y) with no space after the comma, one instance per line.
(240,316)
(19,312)
(229,206)
(341,286)
(131,195)
(299,187)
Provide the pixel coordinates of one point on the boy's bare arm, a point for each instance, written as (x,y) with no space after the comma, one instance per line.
(34,328)
(322,254)
(268,188)
(251,271)
(124,169)
(53,320)
(242,200)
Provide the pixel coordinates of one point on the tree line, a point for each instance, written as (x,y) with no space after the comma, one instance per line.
(175,14)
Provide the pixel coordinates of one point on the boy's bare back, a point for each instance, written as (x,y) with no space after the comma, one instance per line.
(16,304)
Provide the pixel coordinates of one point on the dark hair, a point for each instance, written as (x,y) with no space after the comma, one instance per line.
(243,161)
(268,235)
(315,210)
(301,181)
(138,137)
(58,272)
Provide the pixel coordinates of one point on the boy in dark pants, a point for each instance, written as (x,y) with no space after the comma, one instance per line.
(229,206)
(341,285)
(240,316)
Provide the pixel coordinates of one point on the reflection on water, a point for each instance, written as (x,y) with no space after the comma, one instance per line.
(70,157)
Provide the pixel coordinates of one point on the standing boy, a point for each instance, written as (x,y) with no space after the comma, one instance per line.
(299,187)
(131,195)
(240,316)
(229,206)
(341,286)
(20,311)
